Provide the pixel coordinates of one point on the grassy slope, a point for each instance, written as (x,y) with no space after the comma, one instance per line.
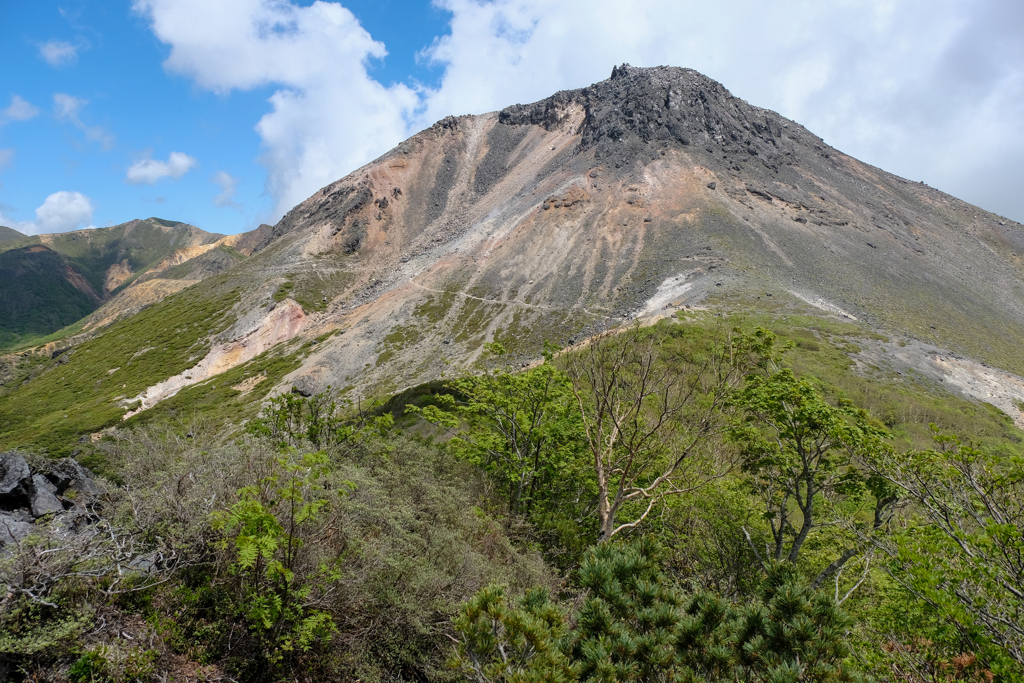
(38,300)
(821,351)
(9,234)
(176,332)
(79,392)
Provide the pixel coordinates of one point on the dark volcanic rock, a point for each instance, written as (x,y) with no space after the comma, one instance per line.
(43,497)
(67,473)
(14,527)
(638,111)
(13,471)
(61,487)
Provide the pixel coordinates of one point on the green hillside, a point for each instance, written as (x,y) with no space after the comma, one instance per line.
(53,281)
(38,295)
(371,545)
(8,234)
(51,403)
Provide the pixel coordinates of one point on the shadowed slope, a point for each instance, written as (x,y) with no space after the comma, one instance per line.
(50,281)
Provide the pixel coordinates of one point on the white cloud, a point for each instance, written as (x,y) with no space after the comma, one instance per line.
(328,116)
(67,107)
(58,53)
(149,171)
(60,212)
(929,89)
(6,157)
(227,185)
(19,110)
(63,211)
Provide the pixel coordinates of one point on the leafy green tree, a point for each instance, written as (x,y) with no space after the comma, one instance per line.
(522,427)
(267,529)
(961,550)
(798,451)
(646,410)
(321,420)
(792,634)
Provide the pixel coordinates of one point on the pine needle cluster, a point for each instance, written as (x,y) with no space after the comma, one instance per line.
(635,626)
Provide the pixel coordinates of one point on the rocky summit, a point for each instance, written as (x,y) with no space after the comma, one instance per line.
(645,193)
(653,188)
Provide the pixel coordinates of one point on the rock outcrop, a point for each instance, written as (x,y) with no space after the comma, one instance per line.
(61,488)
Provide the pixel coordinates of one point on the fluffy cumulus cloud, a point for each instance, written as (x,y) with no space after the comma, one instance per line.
(67,108)
(18,110)
(63,211)
(227,184)
(148,171)
(58,53)
(929,89)
(327,116)
(60,212)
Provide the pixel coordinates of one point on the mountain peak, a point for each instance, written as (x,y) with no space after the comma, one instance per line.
(639,111)
(649,191)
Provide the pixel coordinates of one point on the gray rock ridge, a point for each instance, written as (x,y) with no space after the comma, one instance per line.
(54,490)
(639,111)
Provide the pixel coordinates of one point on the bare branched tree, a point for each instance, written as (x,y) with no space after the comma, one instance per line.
(646,412)
(962,548)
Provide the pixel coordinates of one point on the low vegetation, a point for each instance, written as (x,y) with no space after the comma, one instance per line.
(79,392)
(702,500)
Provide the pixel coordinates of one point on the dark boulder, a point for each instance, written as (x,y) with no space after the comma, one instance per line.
(66,474)
(43,497)
(13,469)
(14,526)
(14,472)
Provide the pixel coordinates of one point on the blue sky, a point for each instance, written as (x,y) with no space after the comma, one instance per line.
(225,113)
(131,109)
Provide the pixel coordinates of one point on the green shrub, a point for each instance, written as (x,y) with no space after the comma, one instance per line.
(268,529)
(634,625)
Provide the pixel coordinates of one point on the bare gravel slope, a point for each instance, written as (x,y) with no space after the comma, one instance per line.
(653,189)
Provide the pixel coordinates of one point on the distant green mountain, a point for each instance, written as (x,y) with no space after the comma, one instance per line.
(48,282)
(41,292)
(7,234)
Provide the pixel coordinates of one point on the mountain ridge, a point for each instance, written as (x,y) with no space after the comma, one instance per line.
(767,170)
(646,194)
(54,280)
(7,234)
